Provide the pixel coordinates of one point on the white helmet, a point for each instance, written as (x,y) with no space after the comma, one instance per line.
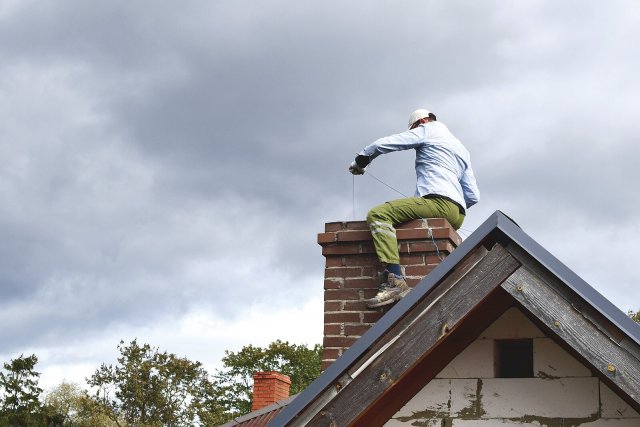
(417,115)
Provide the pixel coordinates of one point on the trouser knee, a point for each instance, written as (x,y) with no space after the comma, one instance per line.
(376,214)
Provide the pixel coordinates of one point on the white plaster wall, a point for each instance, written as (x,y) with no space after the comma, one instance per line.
(612,406)
(505,398)
(510,423)
(552,361)
(512,324)
(467,394)
(435,398)
(425,423)
(492,423)
(613,423)
(560,398)
(476,361)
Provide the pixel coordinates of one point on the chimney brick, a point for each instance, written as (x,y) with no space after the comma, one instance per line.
(269,388)
(352,267)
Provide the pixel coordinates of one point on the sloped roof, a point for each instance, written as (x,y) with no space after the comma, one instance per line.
(260,417)
(497,266)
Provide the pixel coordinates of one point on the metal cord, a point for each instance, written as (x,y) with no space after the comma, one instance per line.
(462,229)
(353,194)
(440,257)
(385,184)
(404,195)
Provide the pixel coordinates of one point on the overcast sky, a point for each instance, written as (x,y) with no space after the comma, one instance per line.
(166,166)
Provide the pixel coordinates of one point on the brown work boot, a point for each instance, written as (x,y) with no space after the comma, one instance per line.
(394,289)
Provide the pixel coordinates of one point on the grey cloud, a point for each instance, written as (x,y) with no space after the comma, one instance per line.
(156,152)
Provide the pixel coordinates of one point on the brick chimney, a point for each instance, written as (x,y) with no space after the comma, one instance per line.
(268,388)
(350,275)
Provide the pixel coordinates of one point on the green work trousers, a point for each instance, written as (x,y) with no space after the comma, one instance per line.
(383,218)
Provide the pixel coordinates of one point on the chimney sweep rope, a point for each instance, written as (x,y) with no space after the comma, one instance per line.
(387,185)
(353,195)
(440,257)
(402,194)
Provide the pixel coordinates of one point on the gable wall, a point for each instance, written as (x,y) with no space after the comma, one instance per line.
(563,392)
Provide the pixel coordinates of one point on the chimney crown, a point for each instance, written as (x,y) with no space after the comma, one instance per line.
(269,388)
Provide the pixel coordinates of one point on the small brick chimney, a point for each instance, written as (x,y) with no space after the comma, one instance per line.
(351,274)
(268,388)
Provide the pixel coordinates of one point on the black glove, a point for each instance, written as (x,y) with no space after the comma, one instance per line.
(355,169)
(357,166)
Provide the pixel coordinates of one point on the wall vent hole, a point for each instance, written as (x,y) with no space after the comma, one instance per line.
(514,358)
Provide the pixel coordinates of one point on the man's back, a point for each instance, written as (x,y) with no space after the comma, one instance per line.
(442,164)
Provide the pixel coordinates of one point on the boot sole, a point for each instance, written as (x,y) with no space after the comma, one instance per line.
(403,294)
(390,301)
(382,303)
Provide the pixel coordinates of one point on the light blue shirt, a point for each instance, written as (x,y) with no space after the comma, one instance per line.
(443,164)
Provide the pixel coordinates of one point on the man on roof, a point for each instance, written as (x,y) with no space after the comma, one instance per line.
(445,188)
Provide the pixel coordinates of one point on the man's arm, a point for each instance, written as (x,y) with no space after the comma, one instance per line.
(469,188)
(401,141)
(398,142)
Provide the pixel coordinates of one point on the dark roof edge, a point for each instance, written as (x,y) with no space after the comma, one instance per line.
(497,228)
(571,279)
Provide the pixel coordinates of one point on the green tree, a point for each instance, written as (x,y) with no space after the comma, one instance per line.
(63,402)
(68,405)
(235,380)
(20,403)
(634,316)
(150,388)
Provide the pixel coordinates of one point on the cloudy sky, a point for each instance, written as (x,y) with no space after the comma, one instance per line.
(166,166)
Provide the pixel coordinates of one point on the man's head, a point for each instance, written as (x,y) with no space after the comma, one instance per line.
(419,117)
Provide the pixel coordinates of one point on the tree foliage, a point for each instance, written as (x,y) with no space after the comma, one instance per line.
(150,388)
(147,388)
(634,316)
(20,404)
(68,404)
(235,380)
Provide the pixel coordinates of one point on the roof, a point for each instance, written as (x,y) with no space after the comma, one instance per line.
(497,266)
(260,417)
